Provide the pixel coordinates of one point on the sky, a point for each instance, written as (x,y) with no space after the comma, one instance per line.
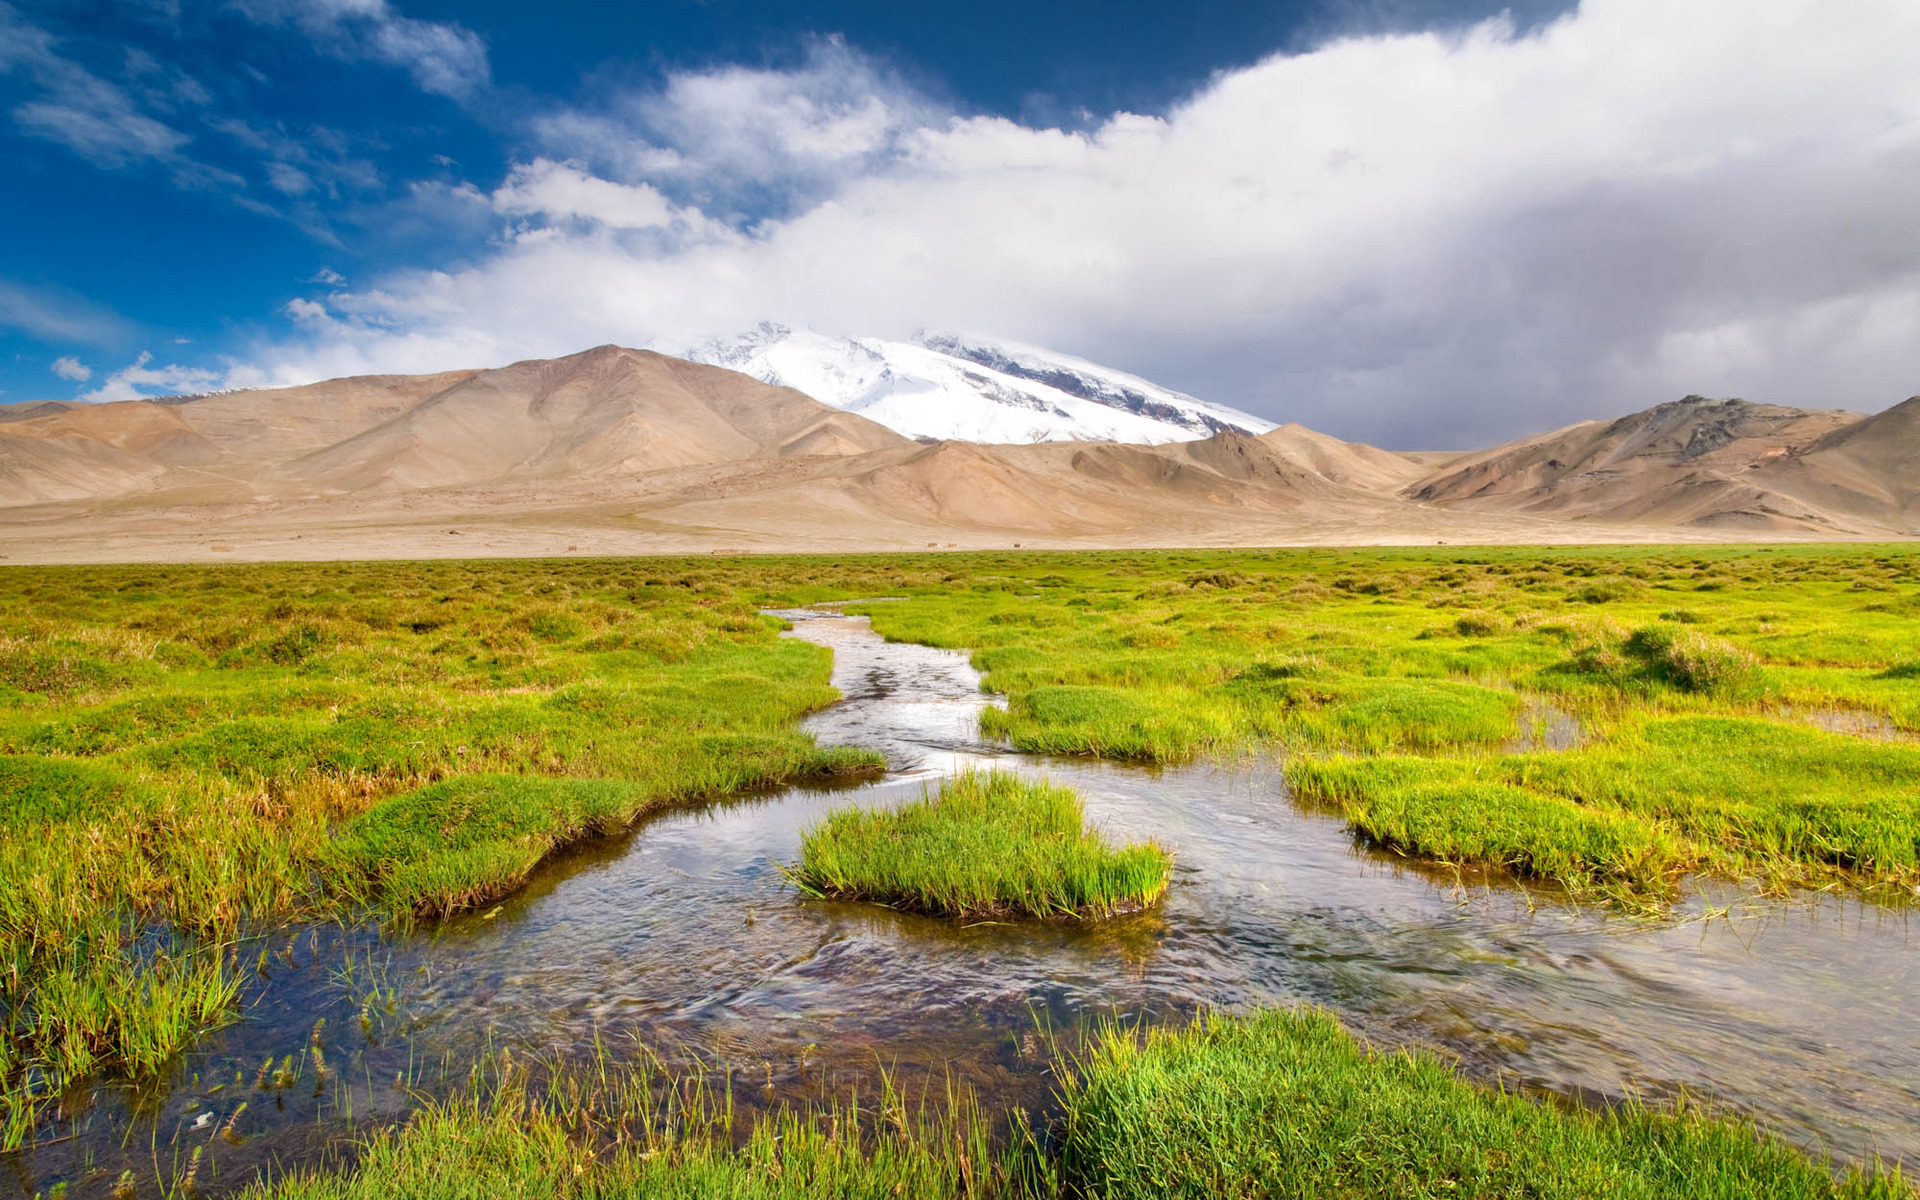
(1421,223)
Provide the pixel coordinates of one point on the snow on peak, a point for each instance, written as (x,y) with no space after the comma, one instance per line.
(969,389)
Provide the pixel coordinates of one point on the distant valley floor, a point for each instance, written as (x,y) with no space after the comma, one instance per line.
(466,526)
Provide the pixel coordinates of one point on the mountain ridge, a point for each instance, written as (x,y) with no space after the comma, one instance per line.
(632,451)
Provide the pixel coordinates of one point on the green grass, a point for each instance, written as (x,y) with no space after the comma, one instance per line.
(1664,795)
(988,844)
(1280,1104)
(625,1133)
(1286,1104)
(188,752)
(1395,684)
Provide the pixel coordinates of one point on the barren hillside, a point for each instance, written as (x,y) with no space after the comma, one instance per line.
(626,451)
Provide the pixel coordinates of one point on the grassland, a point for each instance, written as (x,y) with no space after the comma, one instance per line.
(1406,689)
(985,845)
(189,755)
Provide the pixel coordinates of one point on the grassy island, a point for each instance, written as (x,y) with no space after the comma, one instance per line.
(987,844)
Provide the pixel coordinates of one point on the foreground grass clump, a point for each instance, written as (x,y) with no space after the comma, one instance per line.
(1286,1104)
(1283,1104)
(988,844)
(626,1135)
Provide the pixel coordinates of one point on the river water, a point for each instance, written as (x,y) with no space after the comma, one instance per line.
(683,936)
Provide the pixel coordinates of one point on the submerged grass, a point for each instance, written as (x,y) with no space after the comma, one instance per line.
(987,844)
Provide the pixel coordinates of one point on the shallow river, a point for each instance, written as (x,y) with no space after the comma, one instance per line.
(682,934)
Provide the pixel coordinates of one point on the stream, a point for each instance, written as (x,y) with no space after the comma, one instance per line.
(683,935)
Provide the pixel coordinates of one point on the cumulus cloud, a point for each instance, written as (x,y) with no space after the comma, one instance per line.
(444,58)
(563,192)
(69,367)
(138,381)
(750,139)
(1419,238)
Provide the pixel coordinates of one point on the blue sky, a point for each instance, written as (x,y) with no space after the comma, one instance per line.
(1420,222)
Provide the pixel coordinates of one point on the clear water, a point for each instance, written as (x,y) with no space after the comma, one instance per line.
(683,935)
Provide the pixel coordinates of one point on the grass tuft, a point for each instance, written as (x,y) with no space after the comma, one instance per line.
(988,844)
(1695,662)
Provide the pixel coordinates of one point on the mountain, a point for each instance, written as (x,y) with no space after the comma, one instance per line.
(965,389)
(1226,489)
(605,411)
(1869,469)
(1694,462)
(622,451)
(608,411)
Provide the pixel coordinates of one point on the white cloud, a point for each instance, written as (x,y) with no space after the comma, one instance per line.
(98,124)
(299,164)
(1420,238)
(103,122)
(96,119)
(444,58)
(328,277)
(59,317)
(138,381)
(561,192)
(69,367)
(306,312)
(751,137)
(288,179)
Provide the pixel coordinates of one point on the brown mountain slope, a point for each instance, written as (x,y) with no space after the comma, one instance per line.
(269,426)
(1354,464)
(627,451)
(1869,470)
(608,410)
(605,410)
(26,410)
(47,467)
(192,448)
(1694,462)
(85,451)
(1218,486)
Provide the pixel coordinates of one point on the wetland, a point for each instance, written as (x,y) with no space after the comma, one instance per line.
(318,874)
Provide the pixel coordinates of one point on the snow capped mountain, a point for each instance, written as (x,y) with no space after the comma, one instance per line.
(964,389)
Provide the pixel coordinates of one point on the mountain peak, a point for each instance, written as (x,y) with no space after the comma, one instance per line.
(947,386)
